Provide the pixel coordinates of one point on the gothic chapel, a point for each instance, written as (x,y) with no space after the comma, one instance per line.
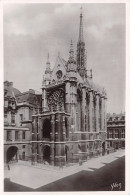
(72,124)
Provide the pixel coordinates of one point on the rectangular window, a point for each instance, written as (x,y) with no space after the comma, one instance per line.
(122,133)
(23,146)
(9,136)
(21,119)
(12,118)
(23,135)
(110,133)
(16,135)
(116,133)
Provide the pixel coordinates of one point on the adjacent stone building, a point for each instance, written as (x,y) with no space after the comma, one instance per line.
(115,131)
(72,123)
(18,110)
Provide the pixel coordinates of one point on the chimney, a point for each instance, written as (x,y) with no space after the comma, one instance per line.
(31,91)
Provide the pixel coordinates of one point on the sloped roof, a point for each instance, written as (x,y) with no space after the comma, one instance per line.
(27,97)
(94,85)
(10,91)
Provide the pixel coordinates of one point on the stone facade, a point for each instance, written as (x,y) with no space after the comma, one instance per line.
(72,123)
(18,110)
(115,131)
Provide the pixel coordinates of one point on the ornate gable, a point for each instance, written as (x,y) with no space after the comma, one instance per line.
(59,70)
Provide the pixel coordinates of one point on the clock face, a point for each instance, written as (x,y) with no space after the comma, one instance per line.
(56,100)
(59,74)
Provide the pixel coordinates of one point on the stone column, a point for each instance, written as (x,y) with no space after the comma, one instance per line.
(97,112)
(68,126)
(39,138)
(68,107)
(90,111)
(63,133)
(52,133)
(87,111)
(52,137)
(57,153)
(73,100)
(44,102)
(83,109)
(105,110)
(102,115)
(34,138)
(58,127)
(67,97)
(52,155)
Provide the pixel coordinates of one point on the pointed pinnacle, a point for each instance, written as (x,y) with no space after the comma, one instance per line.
(48,61)
(81,11)
(71,50)
(71,46)
(81,27)
(48,57)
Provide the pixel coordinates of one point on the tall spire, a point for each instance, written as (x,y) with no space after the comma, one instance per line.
(81,49)
(81,27)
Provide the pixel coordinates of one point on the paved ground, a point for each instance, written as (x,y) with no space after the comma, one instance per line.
(96,174)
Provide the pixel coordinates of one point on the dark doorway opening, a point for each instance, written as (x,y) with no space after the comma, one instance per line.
(103,148)
(23,155)
(66,152)
(46,154)
(46,128)
(12,154)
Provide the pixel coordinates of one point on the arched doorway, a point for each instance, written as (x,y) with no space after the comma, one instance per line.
(46,128)
(12,153)
(46,153)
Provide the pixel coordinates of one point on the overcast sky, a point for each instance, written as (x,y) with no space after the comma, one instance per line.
(33,30)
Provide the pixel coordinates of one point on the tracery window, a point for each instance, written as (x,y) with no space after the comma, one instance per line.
(56,100)
(122,133)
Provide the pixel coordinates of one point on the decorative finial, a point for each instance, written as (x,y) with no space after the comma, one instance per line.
(91,75)
(71,50)
(48,67)
(86,60)
(48,58)
(81,11)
